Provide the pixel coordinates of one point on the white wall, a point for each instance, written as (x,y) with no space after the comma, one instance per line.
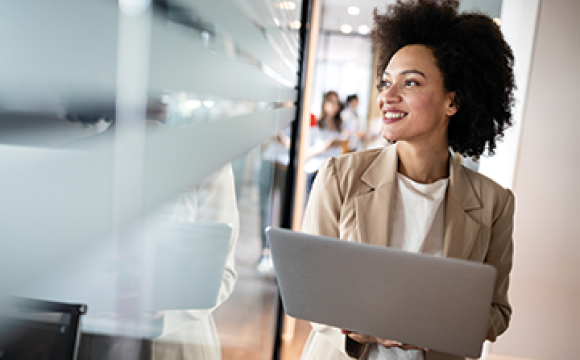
(519,20)
(545,289)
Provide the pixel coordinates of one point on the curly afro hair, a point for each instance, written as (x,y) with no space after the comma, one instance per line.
(473,57)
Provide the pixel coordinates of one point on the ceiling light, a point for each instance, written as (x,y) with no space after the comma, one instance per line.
(192,104)
(353,10)
(187,107)
(287,5)
(346,28)
(364,30)
(208,103)
(295,24)
(276,21)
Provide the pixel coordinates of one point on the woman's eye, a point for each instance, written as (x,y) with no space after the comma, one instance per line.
(411,83)
(384,85)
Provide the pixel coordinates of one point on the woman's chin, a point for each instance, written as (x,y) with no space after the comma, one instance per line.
(390,138)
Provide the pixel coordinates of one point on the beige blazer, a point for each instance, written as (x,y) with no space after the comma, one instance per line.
(352,199)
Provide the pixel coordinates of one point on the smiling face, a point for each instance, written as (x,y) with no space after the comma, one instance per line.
(331,106)
(413,101)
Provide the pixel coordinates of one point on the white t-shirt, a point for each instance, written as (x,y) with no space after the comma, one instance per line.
(351,122)
(418,226)
(318,135)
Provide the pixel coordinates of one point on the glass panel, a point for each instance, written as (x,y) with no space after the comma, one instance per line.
(138,142)
(244,32)
(179,61)
(260,177)
(343,68)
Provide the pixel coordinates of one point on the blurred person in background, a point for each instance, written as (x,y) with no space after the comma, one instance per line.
(184,334)
(275,159)
(325,139)
(191,334)
(351,126)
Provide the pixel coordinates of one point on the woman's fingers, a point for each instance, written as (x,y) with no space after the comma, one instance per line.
(368,339)
(411,347)
(360,338)
(391,343)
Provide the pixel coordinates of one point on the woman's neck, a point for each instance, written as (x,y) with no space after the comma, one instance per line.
(423,165)
(329,123)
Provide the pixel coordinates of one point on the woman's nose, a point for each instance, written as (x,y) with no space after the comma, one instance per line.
(392,94)
(389,96)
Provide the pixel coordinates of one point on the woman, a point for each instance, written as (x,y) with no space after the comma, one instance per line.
(447,83)
(325,139)
(351,123)
(178,334)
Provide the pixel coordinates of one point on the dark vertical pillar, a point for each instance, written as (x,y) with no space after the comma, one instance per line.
(289,188)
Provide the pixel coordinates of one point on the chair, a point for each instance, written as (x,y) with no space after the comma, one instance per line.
(38,329)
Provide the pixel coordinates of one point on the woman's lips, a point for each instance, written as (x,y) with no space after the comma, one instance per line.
(390,117)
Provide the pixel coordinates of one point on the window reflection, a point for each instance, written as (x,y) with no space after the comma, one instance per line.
(113,211)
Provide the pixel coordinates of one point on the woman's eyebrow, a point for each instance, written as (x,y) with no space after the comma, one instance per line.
(406,72)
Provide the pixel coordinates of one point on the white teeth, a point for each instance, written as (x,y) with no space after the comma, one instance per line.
(394,115)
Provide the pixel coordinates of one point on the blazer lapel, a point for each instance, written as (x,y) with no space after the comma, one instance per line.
(462,211)
(373,205)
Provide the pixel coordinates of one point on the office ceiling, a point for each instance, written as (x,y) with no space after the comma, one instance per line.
(335,12)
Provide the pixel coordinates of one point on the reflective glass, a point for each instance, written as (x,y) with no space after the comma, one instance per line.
(141,162)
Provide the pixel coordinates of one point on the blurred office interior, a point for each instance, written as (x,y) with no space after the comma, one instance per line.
(140,163)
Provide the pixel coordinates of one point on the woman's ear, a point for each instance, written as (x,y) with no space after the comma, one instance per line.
(453,106)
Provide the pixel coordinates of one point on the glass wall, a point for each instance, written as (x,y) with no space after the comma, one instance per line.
(143,148)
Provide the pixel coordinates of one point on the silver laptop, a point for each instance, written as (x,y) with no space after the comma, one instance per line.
(439,303)
(189,261)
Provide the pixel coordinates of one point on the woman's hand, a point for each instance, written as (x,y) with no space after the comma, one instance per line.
(337,143)
(368,339)
(360,338)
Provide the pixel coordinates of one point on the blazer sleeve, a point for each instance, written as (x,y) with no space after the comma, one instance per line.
(500,255)
(322,213)
(322,217)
